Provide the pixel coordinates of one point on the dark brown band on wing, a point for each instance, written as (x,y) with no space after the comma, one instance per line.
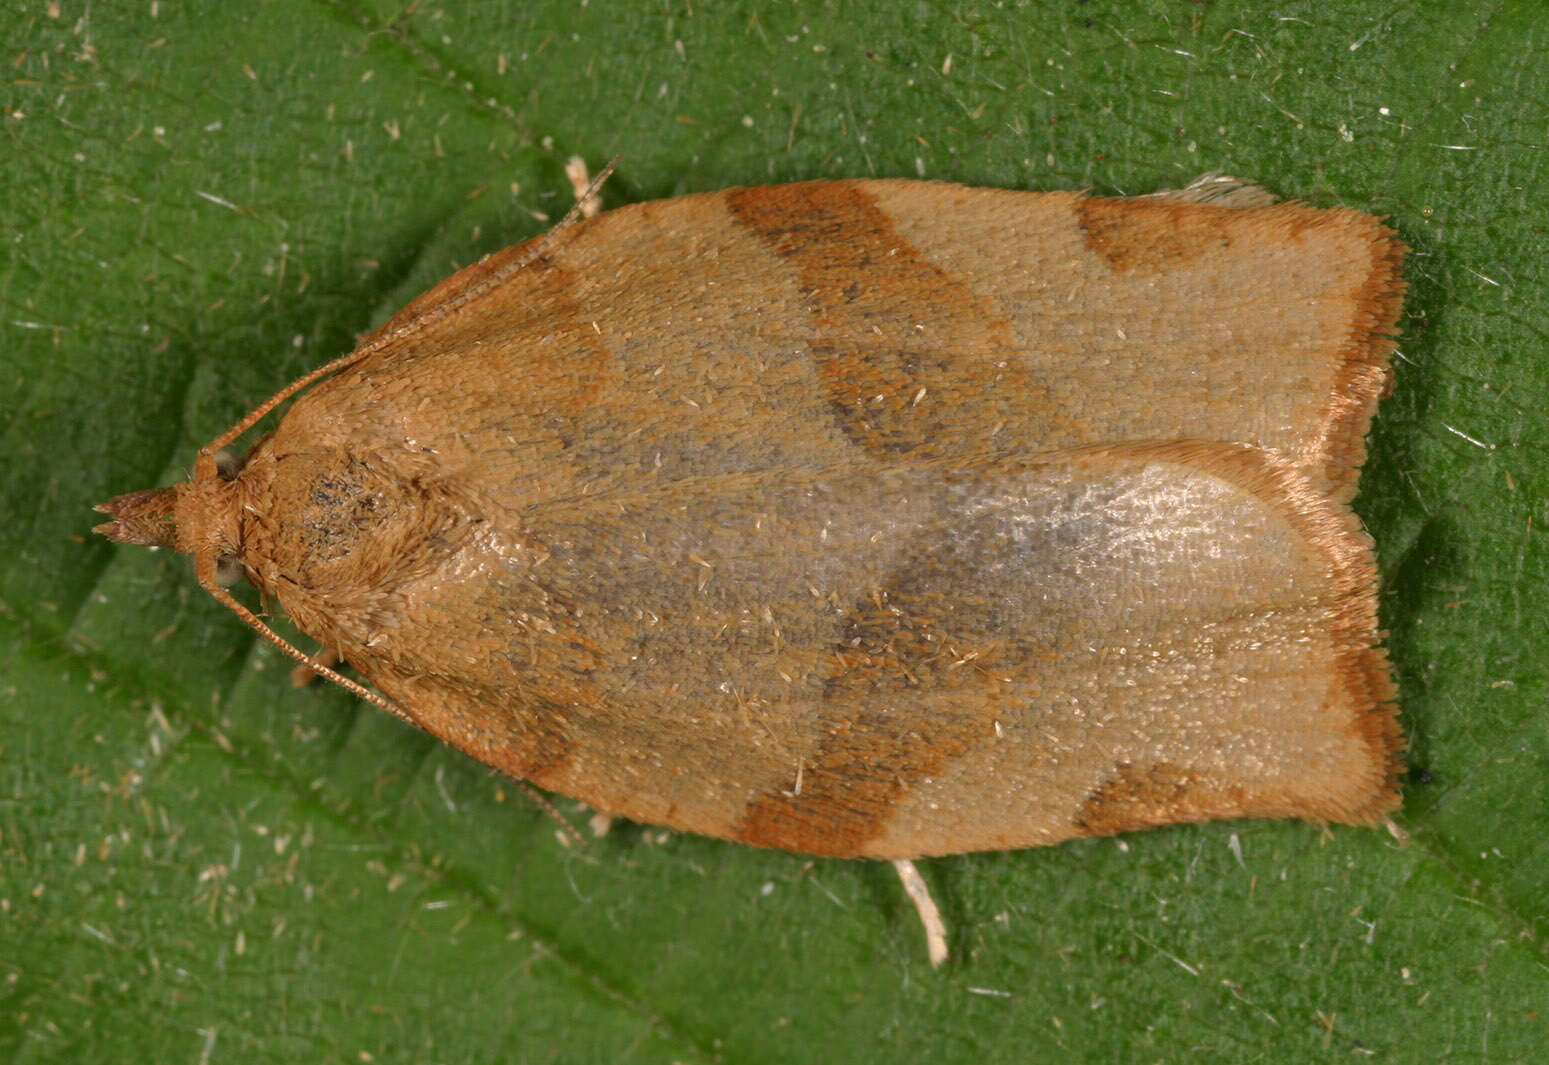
(920,704)
(1136,797)
(903,347)
(1140,237)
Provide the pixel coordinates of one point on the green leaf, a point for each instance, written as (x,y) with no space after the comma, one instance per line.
(201,202)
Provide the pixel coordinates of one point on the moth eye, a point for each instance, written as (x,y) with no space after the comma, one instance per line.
(228,463)
(228,570)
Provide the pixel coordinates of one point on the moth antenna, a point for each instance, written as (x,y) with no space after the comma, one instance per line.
(317,666)
(301,676)
(542,802)
(584,187)
(413,326)
(204,570)
(206,464)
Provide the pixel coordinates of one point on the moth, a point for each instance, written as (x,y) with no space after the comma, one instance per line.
(869,519)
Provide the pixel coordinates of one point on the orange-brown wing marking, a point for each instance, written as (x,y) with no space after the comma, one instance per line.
(915,662)
(1139,238)
(1161,794)
(904,347)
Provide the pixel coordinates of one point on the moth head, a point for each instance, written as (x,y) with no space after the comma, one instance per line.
(197,516)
